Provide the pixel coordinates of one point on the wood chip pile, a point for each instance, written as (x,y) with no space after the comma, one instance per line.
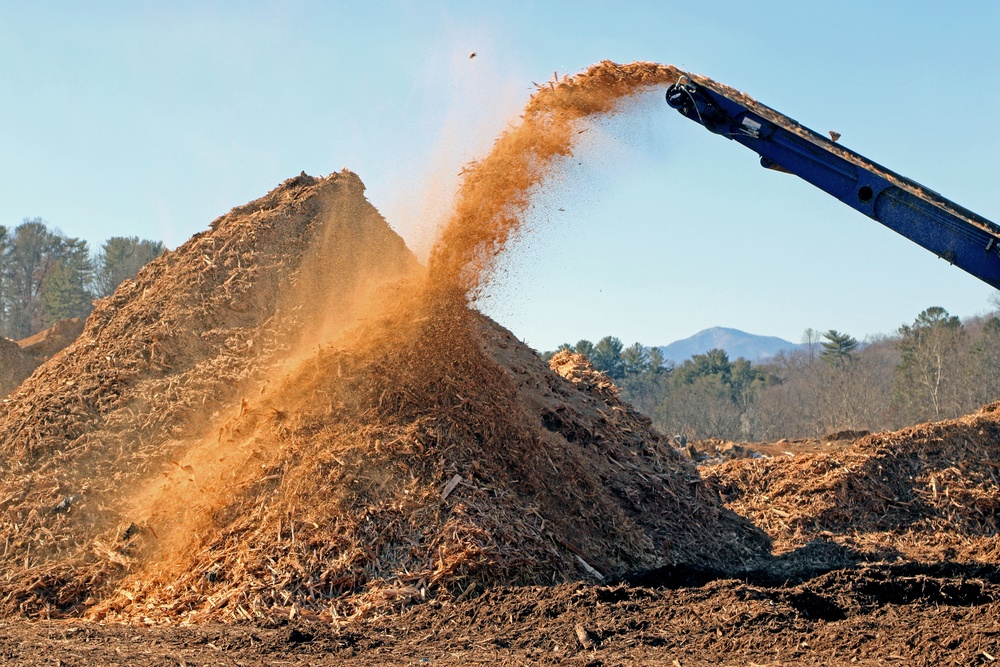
(928,492)
(439,457)
(189,458)
(154,364)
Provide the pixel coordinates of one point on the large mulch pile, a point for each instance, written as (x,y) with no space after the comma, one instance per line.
(439,458)
(929,492)
(155,363)
(195,455)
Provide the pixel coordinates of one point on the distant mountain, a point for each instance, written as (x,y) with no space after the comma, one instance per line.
(736,343)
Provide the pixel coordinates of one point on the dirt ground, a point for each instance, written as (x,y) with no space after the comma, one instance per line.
(912,614)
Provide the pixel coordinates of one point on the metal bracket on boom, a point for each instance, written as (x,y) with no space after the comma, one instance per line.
(950,231)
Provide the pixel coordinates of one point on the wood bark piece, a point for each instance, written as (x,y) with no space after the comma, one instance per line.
(583,636)
(450,486)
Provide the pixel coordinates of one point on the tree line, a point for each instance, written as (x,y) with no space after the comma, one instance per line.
(46,276)
(937,367)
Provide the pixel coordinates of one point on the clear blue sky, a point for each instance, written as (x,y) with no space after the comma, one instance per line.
(153,118)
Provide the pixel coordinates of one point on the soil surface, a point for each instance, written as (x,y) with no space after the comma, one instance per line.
(875,614)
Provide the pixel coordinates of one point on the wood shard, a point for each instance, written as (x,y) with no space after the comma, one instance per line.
(450,486)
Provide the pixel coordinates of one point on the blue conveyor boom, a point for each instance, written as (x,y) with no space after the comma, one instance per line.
(957,235)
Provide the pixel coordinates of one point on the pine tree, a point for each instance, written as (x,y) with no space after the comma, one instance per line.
(714,363)
(635,359)
(838,347)
(121,258)
(65,292)
(607,356)
(656,360)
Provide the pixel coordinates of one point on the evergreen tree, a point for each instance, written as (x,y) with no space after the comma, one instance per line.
(656,360)
(607,356)
(65,292)
(744,381)
(837,348)
(584,347)
(121,258)
(5,250)
(714,363)
(635,359)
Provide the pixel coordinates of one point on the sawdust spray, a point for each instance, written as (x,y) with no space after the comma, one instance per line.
(496,191)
